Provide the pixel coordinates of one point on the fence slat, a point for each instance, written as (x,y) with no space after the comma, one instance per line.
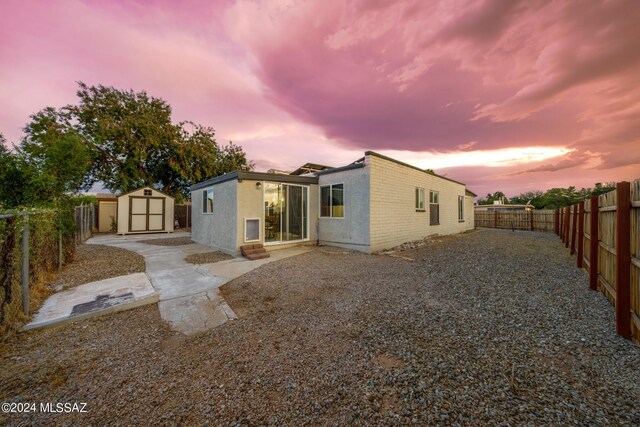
(574,229)
(25,265)
(580,234)
(623,259)
(593,246)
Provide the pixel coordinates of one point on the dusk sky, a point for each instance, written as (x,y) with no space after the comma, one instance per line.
(502,94)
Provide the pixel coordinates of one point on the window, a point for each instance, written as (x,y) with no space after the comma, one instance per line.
(434,208)
(332,201)
(147,192)
(207,201)
(420,199)
(461,208)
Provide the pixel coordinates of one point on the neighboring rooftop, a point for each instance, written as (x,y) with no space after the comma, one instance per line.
(310,168)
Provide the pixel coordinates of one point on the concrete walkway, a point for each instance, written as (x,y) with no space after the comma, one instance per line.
(187,293)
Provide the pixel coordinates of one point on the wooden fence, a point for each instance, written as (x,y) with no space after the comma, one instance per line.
(604,233)
(534,220)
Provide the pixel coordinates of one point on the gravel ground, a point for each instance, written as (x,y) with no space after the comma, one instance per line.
(170,241)
(97,262)
(207,257)
(492,327)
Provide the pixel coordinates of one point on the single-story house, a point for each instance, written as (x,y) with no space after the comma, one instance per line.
(372,204)
(501,207)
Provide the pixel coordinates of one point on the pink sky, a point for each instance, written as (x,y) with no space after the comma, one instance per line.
(502,94)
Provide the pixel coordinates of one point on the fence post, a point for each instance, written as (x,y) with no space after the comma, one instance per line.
(531,220)
(593,244)
(568,226)
(574,229)
(25,265)
(60,260)
(495,219)
(623,259)
(580,233)
(561,221)
(556,222)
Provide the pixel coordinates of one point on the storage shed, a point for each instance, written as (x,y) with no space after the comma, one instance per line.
(145,211)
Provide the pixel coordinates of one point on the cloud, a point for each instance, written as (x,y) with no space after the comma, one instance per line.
(426,76)
(313,80)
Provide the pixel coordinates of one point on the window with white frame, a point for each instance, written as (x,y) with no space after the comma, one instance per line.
(207,201)
(332,201)
(461,208)
(434,208)
(420,199)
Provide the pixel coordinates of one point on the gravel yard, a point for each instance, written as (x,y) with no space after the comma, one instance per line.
(207,257)
(169,241)
(97,262)
(485,328)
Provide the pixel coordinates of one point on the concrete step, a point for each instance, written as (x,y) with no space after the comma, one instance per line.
(253,251)
(253,257)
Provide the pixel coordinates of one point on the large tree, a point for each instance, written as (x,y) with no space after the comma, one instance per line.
(135,143)
(54,155)
(12,178)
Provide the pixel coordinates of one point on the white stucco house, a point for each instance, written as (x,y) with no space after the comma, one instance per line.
(372,204)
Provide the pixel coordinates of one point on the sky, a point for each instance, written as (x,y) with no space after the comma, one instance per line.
(499,94)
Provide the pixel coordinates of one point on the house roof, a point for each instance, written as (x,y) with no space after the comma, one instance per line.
(470,193)
(255,176)
(504,206)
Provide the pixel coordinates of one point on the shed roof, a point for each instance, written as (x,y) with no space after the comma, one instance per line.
(145,188)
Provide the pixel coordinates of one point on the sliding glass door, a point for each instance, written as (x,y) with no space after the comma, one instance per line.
(285,212)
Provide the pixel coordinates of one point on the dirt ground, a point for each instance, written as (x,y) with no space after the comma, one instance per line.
(207,257)
(482,329)
(97,262)
(169,241)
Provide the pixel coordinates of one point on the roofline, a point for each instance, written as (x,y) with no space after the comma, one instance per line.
(142,188)
(471,193)
(255,176)
(373,153)
(340,169)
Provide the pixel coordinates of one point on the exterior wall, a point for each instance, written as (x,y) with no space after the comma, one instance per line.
(123,211)
(251,205)
(218,229)
(469,211)
(394,219)
(107,211)
(353,230)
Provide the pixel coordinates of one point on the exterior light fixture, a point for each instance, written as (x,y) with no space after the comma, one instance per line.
(258,185)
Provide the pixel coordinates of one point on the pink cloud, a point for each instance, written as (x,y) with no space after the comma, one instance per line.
(295,81)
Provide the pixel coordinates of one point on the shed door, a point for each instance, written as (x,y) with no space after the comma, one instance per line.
(146,214)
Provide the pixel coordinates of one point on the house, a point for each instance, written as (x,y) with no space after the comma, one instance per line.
(372,204)
(498,206)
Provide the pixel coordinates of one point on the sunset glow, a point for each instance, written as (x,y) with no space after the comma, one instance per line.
(501,95)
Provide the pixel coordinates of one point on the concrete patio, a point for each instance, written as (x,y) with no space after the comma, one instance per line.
(187,294)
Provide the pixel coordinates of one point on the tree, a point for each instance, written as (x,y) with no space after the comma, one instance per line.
(133,143)
(54,155)
(497,196)
(12,177)
(529,198)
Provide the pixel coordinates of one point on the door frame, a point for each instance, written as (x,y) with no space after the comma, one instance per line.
(264,222)
(146,214)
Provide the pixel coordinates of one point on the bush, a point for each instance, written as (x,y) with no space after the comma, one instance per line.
(46,227)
